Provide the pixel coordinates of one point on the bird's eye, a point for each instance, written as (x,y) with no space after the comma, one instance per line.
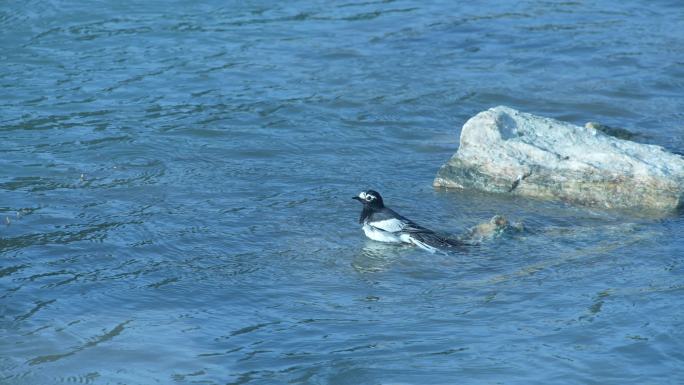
(369,198)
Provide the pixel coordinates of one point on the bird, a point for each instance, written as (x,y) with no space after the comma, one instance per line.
(380,223)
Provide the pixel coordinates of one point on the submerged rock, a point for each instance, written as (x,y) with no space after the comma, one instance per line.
(508,151)
(616,132)
(491,229)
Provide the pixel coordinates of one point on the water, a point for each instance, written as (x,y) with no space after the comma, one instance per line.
(176,183)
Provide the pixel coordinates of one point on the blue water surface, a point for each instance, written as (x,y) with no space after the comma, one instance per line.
(176,183)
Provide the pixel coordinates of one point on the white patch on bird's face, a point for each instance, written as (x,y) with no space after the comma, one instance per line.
(366,197)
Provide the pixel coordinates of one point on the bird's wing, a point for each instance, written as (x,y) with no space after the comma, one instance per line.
(400,225)
(427,239)
(391,225)
(388,220)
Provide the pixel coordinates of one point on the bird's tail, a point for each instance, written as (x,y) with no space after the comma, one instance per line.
(433,242)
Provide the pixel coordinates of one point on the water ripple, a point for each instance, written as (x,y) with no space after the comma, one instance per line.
(177,184)
(94,341)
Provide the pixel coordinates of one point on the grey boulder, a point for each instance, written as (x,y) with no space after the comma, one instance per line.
(507,151)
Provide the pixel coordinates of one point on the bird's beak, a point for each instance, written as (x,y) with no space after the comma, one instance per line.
(357,198)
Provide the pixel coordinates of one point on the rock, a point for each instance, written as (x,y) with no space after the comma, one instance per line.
(508,151)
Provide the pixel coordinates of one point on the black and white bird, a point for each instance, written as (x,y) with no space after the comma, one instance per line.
(382,224)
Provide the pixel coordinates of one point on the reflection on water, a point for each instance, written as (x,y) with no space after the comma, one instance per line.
(174,195)
(377,256)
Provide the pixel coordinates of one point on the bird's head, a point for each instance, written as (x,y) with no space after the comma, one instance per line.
(370,198)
